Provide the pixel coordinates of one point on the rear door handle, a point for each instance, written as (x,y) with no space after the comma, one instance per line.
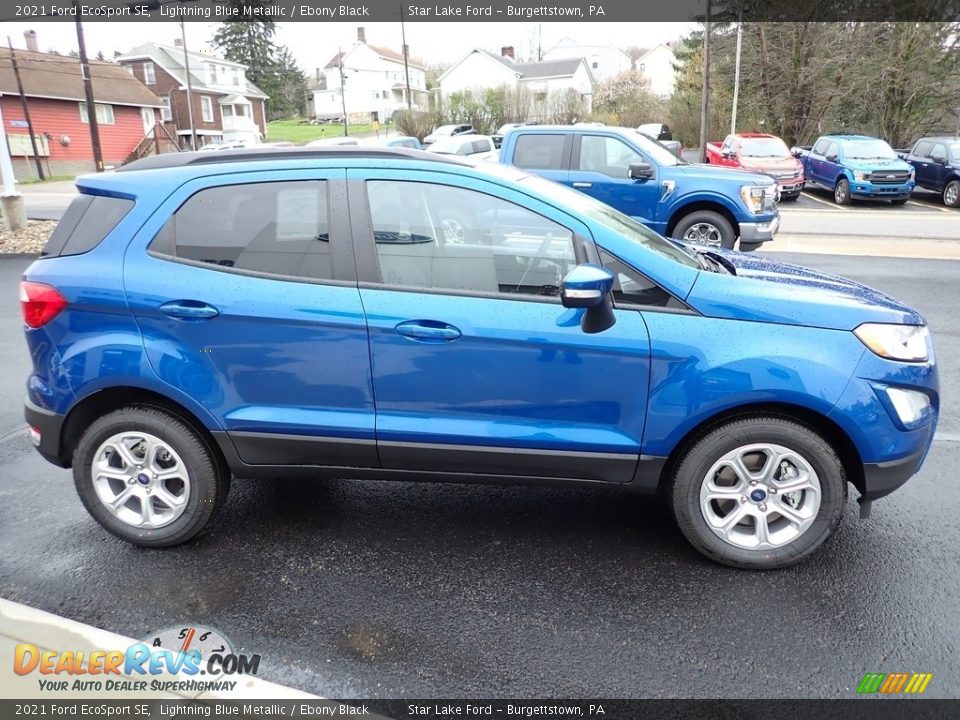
(583,184)
(189,310)
(430,331)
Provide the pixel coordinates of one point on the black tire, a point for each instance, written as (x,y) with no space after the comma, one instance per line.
(724,229)
(952,191)
(901,201)
(841,192)
(691,473)
(209,481)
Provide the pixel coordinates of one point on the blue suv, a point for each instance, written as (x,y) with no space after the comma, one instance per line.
(254,313)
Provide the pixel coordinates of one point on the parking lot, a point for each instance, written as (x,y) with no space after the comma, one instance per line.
(365,588)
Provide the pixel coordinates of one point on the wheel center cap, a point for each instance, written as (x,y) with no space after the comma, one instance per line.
(144,479)
(758,495)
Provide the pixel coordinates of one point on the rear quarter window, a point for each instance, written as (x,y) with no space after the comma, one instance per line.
(86,222)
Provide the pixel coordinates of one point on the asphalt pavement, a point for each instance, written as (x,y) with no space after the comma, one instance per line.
(392,589)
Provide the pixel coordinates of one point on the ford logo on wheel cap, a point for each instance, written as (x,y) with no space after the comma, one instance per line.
(758,495)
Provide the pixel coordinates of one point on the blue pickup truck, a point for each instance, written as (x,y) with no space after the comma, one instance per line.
(639,177)
(857,166)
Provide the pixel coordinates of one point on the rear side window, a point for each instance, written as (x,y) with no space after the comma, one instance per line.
(278,228)
(86,222)
(539,152)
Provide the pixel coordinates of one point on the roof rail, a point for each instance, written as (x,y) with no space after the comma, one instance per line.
(254,154)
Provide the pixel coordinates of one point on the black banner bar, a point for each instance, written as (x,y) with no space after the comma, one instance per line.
(481,10)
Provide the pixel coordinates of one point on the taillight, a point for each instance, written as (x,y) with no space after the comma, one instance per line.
(41,303)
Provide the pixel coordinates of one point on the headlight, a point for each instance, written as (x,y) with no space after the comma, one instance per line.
(860,175)
(895,342)
(752,196)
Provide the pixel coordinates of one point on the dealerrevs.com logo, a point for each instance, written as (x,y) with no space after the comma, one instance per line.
(898,683)
(177,659)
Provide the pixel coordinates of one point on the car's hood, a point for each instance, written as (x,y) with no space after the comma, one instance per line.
(715,172)
(770,164)
(772,291)
(892,164)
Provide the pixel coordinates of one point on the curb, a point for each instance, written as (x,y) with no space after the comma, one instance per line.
(24,624)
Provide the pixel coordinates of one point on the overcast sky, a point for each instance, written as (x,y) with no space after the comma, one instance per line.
(314,44)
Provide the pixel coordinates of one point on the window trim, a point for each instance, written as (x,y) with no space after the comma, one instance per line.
(149,73)
(368,261)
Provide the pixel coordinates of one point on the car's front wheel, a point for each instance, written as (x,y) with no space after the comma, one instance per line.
(148,477)
(706,228)
(758,493)
(841,192)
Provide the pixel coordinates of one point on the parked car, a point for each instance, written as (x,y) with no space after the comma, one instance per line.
(447,131)
(228,145)
(332,142)
(277,143)
(936,164)
(400,141)
(257,314)
(639,177)
(504,129)
(761,153)
(478,147)
(857,166)
(661,133)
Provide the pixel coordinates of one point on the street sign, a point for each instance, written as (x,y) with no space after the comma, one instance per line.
(18,123)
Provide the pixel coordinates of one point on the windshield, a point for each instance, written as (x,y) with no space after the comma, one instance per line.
(621,224)
(763,147)
(657,152)
(868,150)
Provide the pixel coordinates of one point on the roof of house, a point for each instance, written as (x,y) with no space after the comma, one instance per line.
(58,76)
(528,70)
(170,58)
(385,53)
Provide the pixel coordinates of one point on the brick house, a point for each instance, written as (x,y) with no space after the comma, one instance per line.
(126,111)
(226,106)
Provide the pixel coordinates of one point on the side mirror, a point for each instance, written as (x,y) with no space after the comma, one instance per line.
(590,286)
(832,157)
(726,153)
(939,159)
(796,152)
(640,171)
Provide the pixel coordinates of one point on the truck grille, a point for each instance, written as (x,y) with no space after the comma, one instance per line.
(889,177)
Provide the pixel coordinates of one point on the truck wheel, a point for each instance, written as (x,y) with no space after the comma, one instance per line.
(706,228)
(951,194)
(841,193)
(147,477)
(758,493)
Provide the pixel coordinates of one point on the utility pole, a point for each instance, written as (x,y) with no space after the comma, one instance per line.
(186,70)
(343,90)
(11,202)
(88,93)
(26,110)
(736,77)
(406,66)
(705,92)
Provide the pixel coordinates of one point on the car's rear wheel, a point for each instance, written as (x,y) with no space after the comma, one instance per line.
(706,228)
(951,194)
(148,477)
(758,493)
(841,192)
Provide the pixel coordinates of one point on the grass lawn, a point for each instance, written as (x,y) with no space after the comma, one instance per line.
(301,132)
(49,178)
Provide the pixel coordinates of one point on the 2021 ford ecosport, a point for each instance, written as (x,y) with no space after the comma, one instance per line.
(287,311)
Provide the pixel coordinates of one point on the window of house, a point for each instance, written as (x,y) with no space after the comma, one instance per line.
(149,74)
(104,114)
(236,77)
(643,67)
(448,238)
(226,110)
(212,74)
(280,228)
(206,108)
(607,155)
(594,65)
(165,114)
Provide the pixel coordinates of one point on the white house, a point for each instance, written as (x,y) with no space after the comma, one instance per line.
(657,65)
(375,83)
(604,62)
(480,70)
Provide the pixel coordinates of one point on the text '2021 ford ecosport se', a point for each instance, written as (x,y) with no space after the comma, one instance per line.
(391,314)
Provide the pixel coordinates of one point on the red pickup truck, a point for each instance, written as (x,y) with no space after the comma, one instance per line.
(760,153)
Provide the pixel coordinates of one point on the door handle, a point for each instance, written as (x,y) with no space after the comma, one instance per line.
(583,184)
(430,331)
(189,310)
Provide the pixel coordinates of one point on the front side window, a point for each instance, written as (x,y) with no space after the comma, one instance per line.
(280,228)
(447,238)
(939,151)
(821,147)
(607,155)
(923,148)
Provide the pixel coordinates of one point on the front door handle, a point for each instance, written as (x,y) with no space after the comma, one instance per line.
(429,331)
(189,310)
(583,184)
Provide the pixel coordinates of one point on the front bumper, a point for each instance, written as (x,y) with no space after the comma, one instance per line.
(48,425)
(791,187)
(880,479)
(759,232)
(868,190)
